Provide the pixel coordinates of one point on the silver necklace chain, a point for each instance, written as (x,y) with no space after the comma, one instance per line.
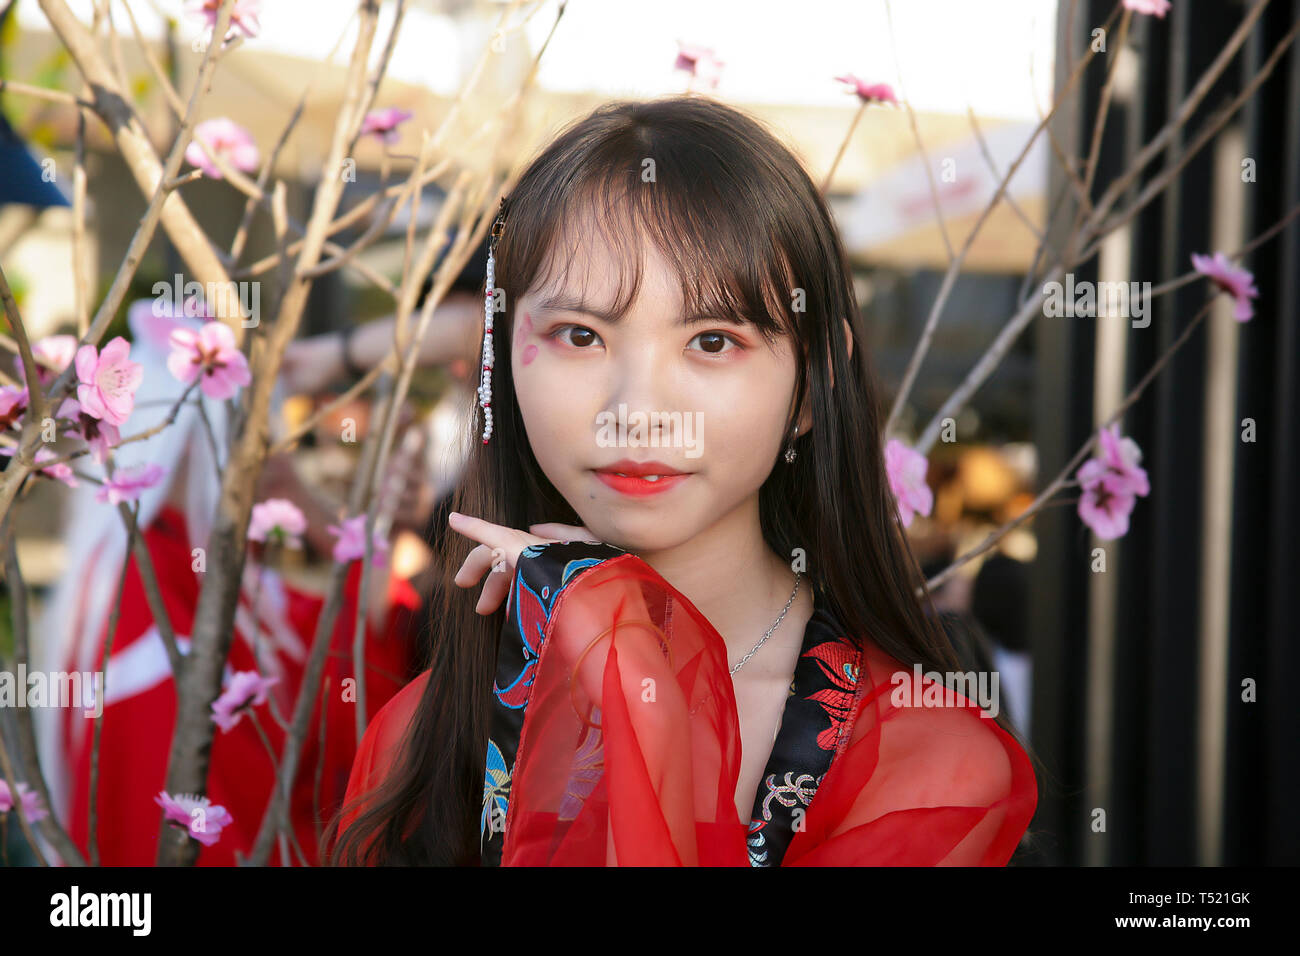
(763,640)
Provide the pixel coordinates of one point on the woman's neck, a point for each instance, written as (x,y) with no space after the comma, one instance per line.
(737,581)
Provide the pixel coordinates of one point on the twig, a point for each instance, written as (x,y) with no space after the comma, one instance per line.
(80,289)
(1157,185)
(227,544)
(152,591)
(988,159)
(321,751)
(844,144)
(134,144)
(26,731)
(286,826)
(1184,113)
(1062,477)
(954,268)
(54,96)
(916,136)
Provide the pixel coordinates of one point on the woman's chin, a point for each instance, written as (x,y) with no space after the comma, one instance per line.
(639,536)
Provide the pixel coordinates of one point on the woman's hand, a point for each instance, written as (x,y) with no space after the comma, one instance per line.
(499,549)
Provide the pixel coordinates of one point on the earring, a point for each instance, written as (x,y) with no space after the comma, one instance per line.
(489,359)
(789,450)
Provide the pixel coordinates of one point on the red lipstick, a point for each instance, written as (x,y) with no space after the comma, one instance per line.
(638,478)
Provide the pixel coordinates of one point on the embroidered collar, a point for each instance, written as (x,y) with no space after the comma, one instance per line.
(812,723)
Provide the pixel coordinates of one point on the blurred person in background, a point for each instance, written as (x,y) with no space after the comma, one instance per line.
(999,603)
(140,698)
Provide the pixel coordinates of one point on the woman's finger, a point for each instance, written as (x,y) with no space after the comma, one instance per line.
(494,592)
(478,562)
(510,541)
(563,532)
(484,532)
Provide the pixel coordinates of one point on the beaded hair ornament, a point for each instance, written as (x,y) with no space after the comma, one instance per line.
(489,359)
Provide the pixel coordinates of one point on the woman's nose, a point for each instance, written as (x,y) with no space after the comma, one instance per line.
(644,381)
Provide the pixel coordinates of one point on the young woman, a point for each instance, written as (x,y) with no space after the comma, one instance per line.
(710,623)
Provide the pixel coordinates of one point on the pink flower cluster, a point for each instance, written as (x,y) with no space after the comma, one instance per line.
(1111,485)
(277,519)
(60,471)
(869,92)
(108,381)
(383,124)
(906,469)
(1234,280)
(246,690)
(29,798)
(53,354)
(211,356)
(226,139)
(13,402)
(351,544)
(197,815)
(700,62)
(1154,7)
(126,484)
(243,19)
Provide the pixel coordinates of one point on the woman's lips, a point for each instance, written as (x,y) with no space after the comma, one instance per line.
(639,487)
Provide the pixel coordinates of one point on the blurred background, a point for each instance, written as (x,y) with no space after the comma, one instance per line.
(1128,683)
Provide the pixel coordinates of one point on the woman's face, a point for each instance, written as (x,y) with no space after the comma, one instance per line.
(713,399)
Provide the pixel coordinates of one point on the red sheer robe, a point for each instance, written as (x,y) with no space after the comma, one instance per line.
(628,751)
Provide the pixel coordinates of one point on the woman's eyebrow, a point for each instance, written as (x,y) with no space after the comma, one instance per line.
(566,302)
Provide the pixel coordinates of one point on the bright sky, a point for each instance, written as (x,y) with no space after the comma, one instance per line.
(952,52)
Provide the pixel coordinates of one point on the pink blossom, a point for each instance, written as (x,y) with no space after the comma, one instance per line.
(242,19)
(196,814)
(246,690)
(100,435)
(53,354)
(700,62)
(1234,280)
(277,518)
(869,92)
(1157,7)
(108,381)
(1111,485)
(906,468)
(13,402)
(1122,455)
(226,139)
(351,544)
(383,123)
(60,472)
(127,483)
(1106,504)
(31,801)
(212,353)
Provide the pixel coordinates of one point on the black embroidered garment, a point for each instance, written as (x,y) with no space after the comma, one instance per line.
(821,693)
(614,740)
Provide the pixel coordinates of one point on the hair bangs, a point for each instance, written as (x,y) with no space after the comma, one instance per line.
(726,259)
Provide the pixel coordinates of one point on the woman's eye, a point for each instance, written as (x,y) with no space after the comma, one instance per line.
(714,343)
(579,336)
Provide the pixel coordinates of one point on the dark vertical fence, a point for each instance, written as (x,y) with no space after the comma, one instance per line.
(1158,689)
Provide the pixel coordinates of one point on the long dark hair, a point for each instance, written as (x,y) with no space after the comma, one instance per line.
(736,213)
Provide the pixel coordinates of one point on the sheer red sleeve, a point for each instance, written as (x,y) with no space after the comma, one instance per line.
(630,752)
(918,785)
